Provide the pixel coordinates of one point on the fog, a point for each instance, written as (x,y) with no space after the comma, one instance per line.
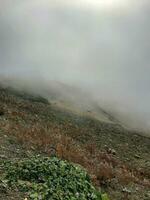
(101,49)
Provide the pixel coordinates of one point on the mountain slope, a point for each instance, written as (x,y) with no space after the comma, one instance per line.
(115,158)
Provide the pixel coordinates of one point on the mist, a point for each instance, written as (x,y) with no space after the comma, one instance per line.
(98,49)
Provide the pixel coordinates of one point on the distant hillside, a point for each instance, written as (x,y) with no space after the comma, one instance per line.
(65,97)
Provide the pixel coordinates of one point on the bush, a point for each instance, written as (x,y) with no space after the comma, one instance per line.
(50,178)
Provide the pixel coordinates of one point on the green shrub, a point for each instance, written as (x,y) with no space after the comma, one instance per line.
(105,197)
(50,178)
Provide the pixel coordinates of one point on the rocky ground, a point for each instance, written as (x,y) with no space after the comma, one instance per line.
(117,159)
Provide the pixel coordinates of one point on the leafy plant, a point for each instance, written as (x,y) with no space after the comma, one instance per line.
(47,178)
(105,197)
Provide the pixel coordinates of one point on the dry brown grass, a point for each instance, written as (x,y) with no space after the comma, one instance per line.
(102,166)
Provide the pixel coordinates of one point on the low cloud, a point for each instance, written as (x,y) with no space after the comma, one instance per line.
(103,52)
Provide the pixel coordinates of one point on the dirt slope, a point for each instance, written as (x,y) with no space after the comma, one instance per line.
(117,159)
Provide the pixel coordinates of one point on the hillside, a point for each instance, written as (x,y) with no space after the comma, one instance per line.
(117,159)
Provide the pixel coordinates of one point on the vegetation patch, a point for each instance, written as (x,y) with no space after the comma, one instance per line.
(44,178)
